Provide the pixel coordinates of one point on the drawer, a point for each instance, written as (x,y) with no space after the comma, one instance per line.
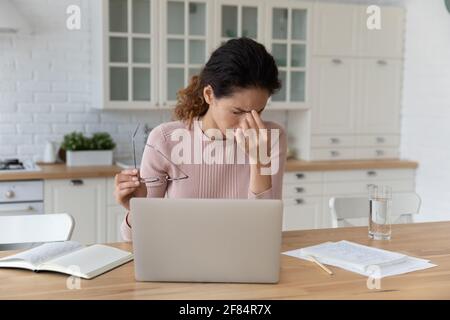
(332,154)
(302,213)
(16,191)
(302,176)
(350,188)
(296,190)
(331,141)
(369,175)
(378,140)
(377,153)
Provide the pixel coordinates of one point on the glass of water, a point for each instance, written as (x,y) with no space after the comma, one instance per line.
(380,200)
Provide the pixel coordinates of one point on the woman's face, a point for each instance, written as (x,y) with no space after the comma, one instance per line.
(228,112)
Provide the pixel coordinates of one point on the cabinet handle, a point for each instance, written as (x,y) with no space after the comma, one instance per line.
(300,175)
(299,201)
(379,152)
(334,153)
(336,61)
(382,62)
(370,185)
(299,189)
(380,140)
(334,140)
(76,182)
(371,173)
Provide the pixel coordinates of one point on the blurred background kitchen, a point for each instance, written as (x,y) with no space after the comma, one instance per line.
(360,106)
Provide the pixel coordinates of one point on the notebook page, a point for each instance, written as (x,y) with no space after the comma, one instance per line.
(354,254)
(89,260)
(45,252)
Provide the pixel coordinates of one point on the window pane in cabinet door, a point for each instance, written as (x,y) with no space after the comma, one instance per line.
(281,95)
(118,14)
(193,72)
(298,24)
(250,22)
(175,17)
(141,50)
(279,23)
(118,83)
(141,16)
(141,84)
(229,21)
(175,51)
(298,55)
(175,82)
(297,86)
(279,52)
(118,49)
(197,18)
(197,51)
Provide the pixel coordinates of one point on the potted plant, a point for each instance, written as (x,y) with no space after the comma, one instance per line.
(84,151)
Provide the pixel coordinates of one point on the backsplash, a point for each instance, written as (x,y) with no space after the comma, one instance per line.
(45,89)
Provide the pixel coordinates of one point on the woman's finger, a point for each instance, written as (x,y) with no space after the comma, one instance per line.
(251,122)
(131,184)
(125,178)
(258,120)
(125,192)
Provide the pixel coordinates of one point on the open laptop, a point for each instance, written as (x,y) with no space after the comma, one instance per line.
(206,240)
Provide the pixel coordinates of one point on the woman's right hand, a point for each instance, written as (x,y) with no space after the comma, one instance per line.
(127,186)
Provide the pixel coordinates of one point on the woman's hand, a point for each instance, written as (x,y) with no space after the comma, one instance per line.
(127,186)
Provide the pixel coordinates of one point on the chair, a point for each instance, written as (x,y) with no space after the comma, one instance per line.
(404,206)
(26,231)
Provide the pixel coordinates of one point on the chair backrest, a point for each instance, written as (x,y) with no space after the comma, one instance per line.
(342,209)
(37,228)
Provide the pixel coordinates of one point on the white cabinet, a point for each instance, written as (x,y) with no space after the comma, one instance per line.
(115,214)
(302,213)
(84,199)
(287,30)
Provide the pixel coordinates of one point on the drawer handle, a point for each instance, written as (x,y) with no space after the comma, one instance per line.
(299,201)
(9,194)
(299,175)
(379,152)
(371,173)
(76,182)
(370,185)
(334,140)
(382,62)
(16,209)
(336,61)
(299,189)
(381,140)
(334,153)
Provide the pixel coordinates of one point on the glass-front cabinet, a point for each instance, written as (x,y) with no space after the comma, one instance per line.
(185,44)
(288,34)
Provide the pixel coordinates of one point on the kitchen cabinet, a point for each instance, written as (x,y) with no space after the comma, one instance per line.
(306,194)
(85,200)
(115,214)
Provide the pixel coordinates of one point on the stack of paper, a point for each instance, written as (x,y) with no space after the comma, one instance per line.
(367,261)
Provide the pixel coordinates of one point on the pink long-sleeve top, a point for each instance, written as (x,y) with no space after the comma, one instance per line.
(207,179)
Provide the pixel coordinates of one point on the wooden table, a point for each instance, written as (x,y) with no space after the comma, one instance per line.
(299,279)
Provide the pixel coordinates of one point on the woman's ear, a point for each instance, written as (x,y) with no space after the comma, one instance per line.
(208,94)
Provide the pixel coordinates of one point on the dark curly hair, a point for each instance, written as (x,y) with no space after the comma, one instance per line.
(238,64)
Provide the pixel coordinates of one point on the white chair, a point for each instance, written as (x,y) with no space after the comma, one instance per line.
(342,209)
(26,231)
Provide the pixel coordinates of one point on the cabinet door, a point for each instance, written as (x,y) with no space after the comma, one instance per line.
(380,89)
(237,18)
(334,29)
(384,42)
(333,88)
(115,217)
(301,213)
(85,200)
(288,36)
(186,35)
(131,48)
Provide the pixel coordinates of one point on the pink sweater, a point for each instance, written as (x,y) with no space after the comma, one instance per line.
(206,179)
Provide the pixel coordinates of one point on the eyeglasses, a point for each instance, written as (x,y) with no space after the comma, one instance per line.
(155,180)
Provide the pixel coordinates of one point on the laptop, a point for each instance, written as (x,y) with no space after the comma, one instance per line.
(206,240)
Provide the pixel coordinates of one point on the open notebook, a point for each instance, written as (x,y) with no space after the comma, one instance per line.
(69,257)
(361,259)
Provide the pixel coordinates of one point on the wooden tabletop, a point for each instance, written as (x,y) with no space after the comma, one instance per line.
(298,280)
(301,165)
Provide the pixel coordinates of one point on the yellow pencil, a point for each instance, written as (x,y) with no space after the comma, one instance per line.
(321,265)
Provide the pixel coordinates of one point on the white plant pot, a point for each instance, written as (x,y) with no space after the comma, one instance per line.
(89,158)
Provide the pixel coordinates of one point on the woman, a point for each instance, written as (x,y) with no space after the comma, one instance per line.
(230,93)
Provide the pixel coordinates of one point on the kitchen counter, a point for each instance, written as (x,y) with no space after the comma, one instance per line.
(61,171)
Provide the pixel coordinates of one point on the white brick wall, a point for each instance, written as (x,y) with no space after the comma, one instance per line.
(45,85)
(426,104)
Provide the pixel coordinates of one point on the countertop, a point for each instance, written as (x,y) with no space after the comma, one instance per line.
(61,171)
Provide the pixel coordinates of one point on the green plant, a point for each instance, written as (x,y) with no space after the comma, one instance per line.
(76,141)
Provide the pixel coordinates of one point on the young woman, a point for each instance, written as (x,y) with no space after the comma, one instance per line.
(230,93)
